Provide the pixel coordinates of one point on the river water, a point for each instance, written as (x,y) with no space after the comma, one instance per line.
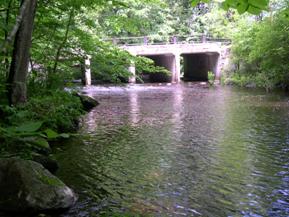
(180,150)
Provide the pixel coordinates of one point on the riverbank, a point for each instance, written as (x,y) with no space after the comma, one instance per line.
(27,133)
(253,81)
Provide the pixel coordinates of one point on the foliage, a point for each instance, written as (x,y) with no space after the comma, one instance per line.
(250,80)
(43,119)
(66,31)
(51,108)
(251,6)
(211,78)
(29,134)
(263,49)
(239,79)
(219,23)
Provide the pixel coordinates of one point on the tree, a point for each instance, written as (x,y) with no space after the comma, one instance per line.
(251,6)
(62,30)
(17,92)
(261,49)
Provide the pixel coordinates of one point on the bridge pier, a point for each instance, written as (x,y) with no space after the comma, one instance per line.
(86,71)
(132,70)
(176,73)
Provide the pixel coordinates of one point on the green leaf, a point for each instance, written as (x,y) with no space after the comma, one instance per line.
(64,135)
(42,143)
(242,7)
(3,130)
(261,4)
(225,6)
(51,134)
(28,127)
(195,3)
(254,10)
(231,3)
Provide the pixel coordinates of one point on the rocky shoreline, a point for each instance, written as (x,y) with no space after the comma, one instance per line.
(28,187)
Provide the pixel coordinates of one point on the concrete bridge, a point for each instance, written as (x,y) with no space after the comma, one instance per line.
(195,56)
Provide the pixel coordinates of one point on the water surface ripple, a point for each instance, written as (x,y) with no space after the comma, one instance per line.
(180,150)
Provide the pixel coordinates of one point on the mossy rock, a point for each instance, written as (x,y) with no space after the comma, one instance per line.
(27,187)
(87,102)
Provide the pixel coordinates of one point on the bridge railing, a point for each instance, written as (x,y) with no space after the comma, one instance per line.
(163,40)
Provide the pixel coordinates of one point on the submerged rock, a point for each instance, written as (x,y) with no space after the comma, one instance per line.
(88,102)
(27,186)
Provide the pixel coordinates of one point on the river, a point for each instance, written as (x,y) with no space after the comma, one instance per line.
(180,150)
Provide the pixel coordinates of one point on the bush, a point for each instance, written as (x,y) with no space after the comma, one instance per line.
(211,77)
(58,110)
(262,49)
(239,79)
(260,80)
(28,128)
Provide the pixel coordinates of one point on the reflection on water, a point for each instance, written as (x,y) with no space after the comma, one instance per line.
(181,150)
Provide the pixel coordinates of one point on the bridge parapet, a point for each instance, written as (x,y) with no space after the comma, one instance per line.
(162,40)
(176,49)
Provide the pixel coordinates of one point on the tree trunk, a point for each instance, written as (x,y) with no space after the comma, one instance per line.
(5,52)
(62,45)
(9,38)
(17,92)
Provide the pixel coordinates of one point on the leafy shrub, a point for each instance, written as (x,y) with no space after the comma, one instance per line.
(211,77)
(28,128)
(263,49)
(58,110)
(27,137)
(239,79)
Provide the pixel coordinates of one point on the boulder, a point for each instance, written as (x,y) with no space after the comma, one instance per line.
(27,187)
(87,102)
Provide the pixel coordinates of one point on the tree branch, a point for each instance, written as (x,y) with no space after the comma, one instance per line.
(61,46)
(13,32)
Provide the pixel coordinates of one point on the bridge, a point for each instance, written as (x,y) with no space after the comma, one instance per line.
(194,55)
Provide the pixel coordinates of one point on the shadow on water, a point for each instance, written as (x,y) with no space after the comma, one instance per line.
(180,150)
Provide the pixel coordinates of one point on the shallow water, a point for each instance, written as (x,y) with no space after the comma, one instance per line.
(180,150)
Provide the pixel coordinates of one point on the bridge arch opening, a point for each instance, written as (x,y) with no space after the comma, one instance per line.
(197,65)
(167,61)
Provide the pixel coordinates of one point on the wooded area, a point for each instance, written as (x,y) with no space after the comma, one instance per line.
(65,31)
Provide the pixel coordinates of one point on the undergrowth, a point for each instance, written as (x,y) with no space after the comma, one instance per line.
(45,117)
